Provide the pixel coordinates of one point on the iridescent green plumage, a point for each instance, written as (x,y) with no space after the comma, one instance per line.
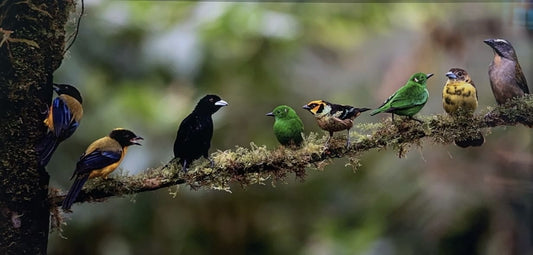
(409,99)
(288,127)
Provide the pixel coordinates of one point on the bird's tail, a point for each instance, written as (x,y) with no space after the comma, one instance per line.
(363,109)
(477,140)
(46,148)
(354,112)
(74,191)
(376,111)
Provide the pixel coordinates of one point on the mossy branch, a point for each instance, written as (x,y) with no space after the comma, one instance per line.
(257,164)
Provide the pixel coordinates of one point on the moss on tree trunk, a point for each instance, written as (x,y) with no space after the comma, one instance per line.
(32,39)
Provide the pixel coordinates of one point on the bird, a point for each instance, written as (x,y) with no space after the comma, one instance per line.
(506,77)
(459,97)
(334,117)
(63,119)
(409,99)
(288,127)
(101,158)
(196,130)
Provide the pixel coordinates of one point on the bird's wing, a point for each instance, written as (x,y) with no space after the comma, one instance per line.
(61,116)
(195,131)
(185,131)
(339,111)
(473,85)
(408,97)
(97,159)
(296,124)
(384,107)
(520,79)
(343,112)
(388,99)
(300,123)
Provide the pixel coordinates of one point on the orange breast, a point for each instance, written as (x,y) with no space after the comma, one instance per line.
(334,124)
(49,121)
(104,172)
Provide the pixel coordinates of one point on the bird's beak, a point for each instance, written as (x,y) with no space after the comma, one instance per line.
(306,107)
(135,139)
(270,114)
(429,75)
(221,103)
(489,42)
(55,88)
(451,75)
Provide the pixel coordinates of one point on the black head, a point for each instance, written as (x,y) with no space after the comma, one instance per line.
(125,137)
(502,47)
(210,104)
(68,90)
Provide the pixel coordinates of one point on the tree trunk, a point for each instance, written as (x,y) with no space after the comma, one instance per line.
(32,38)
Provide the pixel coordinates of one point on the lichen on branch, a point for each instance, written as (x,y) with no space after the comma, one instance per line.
(258,165)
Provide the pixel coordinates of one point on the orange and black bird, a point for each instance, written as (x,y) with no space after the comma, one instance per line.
(196,130)
(334,117)
(459,96)
(63,118)
(101,158)
(506,78)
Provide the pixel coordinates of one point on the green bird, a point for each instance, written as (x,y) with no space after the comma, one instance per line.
(409,99)
(288,127)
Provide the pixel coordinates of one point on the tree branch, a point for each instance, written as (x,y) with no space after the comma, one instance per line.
(257,164)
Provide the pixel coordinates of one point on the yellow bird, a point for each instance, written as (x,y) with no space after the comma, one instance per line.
(459,97)
(459,92)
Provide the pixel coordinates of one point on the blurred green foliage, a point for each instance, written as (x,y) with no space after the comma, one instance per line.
(143,65)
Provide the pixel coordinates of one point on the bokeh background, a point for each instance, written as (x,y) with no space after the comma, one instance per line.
(143,65)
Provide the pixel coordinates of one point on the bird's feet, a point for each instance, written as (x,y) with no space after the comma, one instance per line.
(326,145)
(419,121)
(184,166)
(211,162)
(348,139)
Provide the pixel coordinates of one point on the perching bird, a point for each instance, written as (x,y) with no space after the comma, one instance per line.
(409,99)
(101,158)
(334,117)
(195,131)
(459,97)
(63,118)
(288,127)
(506,78)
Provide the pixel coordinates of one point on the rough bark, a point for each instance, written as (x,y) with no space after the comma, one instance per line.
(32,39)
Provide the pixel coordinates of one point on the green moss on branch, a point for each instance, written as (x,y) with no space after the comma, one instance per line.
(257,164)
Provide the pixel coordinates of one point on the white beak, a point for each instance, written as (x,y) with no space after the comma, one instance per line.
(221,103)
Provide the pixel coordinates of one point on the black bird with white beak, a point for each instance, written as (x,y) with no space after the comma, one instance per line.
(196,130)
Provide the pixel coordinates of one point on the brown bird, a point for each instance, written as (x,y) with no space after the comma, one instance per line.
(459,97)
(506,78)
(334,117)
